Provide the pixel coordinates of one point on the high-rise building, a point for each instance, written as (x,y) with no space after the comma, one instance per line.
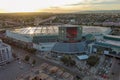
(5,53)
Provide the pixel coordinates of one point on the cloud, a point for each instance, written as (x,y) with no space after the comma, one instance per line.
(88,5)
(96,2)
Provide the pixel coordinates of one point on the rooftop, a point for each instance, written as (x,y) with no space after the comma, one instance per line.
(46,72)
(2,45)
(68,25)
(53,30)
(44,30)
(83,57)
(98,30)
(109,43)
(113,36)
(69,48)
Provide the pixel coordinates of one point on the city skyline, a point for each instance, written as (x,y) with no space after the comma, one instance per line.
(57,6)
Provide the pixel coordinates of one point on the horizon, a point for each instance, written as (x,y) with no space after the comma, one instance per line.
(84,11)
(57,6)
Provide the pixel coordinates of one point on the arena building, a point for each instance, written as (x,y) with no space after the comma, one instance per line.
(33,36)
(70,40)
(45,37)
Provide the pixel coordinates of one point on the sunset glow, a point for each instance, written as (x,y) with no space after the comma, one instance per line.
(56,5)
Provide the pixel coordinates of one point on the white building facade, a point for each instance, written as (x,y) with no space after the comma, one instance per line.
(5,53)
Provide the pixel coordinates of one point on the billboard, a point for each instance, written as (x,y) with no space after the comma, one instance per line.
(71,32)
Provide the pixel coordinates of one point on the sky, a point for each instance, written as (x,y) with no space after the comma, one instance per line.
(56,6)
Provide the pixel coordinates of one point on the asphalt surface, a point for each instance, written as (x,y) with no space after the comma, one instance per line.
(12,70)
(115,69)
(41,59)
(17,67)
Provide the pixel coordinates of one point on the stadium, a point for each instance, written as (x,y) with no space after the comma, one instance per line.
(45,38)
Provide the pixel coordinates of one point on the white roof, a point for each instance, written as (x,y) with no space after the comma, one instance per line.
(116,43)
(44,30)
(93,29)
(114,36)
(53,30)
(68,25)
(82,57)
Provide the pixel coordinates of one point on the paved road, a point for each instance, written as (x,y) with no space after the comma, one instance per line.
(17,67)
(41,60)
(12,70)
(115,69)
(70,70)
